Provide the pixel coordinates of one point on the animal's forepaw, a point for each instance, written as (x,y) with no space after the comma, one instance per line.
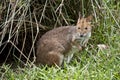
(80,48)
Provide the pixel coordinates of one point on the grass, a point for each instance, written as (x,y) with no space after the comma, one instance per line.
(102,65)
(89,64)
(93,64)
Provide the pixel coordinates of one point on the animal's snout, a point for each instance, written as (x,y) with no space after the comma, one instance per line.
(81,35)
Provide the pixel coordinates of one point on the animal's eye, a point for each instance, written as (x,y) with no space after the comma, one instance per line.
(78,27)
(86,28)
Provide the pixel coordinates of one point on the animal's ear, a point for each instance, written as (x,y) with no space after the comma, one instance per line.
(89,18)
(79,18)
(80,15)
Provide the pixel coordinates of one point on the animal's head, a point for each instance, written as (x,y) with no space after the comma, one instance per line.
(84,26)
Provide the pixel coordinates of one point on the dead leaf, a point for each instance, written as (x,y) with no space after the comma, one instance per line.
(102,46)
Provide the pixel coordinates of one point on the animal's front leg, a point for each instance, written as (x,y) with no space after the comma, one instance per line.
(78,45)
(85,43)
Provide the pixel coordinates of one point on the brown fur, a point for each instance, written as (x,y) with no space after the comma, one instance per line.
(58,41)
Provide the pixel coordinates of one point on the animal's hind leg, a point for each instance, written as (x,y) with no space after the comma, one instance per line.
(54,58)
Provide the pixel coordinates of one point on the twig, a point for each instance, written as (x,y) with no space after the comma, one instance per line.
(43,11)
(18,50)
(60,6)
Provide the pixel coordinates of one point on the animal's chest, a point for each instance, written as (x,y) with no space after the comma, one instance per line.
(81,41)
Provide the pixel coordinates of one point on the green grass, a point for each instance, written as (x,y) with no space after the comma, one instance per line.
(91,63)
(88,65)
(102,65)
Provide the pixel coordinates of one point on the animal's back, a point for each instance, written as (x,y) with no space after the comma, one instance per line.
(59,33)
(63,35)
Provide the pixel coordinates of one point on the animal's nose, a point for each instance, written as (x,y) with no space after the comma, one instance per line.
(81,35)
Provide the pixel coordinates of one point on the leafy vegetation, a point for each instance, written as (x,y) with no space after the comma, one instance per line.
(23,21)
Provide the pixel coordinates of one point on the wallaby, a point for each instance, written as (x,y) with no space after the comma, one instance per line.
(54,46)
